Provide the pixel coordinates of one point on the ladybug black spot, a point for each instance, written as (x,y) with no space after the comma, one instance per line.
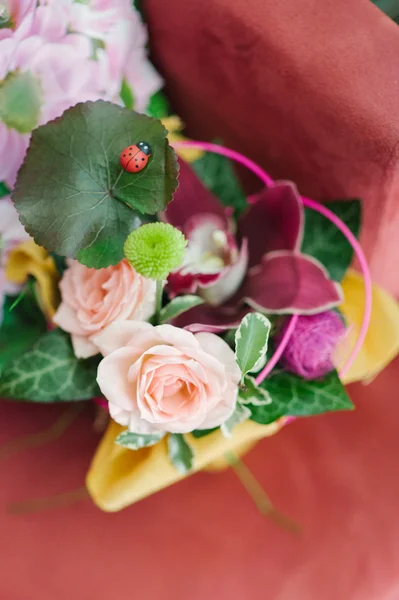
(136,159)
(137,166)
(142,159)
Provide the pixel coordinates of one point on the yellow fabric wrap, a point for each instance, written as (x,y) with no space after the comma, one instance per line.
(382,340)
(30,259)
(174,126)
(119,477)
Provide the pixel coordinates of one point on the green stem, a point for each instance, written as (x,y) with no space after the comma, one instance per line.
(158,298)
(258,494)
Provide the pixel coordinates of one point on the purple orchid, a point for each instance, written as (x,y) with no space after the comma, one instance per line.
(261,265)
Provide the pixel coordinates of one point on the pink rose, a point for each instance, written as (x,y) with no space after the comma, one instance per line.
(166,379)
(92,299)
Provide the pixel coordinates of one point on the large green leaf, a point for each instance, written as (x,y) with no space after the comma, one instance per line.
(50,372)
(294,396)
(72,194)
(21,326)
(217,174)
(251,339)
(390,7)
(325,242)
(180,452)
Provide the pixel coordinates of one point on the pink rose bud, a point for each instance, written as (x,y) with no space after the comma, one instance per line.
(310,350)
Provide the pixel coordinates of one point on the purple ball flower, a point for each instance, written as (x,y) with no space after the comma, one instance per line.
(310,350)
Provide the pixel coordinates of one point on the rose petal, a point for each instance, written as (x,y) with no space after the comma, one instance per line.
(120,334)
(286,282)
(273,222)
(191,198)
(83,347)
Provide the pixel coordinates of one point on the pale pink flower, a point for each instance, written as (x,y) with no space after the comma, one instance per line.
(11,234)
(166,379)
(18,14)
(92,299)
(77,52)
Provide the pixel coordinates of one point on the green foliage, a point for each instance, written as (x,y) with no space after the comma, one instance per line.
(72,195)
(135,441)
(20,101)
(21,326)
(178,306)
(240,414)
(199,433)
(158,106)
(50,372)
(293,396)
(180,453)
(217,174)
(251,339)
(4,190)
(324,241)
(253,394)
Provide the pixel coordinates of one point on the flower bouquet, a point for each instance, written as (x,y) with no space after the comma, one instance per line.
(141,278)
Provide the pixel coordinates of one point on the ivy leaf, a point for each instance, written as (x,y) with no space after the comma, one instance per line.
(294,396)
(135,441)
(251,339)
(50,372)
(72,195)
(177,306)
(324,241)
(241,414)
(253,394)
(20,327)
(217,174)
(180,453)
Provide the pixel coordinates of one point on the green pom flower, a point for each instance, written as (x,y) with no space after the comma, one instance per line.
(154,250)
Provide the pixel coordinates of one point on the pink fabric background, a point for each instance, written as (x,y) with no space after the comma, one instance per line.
(203,538)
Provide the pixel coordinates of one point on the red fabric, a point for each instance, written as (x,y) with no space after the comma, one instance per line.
(202,538)
(309,88)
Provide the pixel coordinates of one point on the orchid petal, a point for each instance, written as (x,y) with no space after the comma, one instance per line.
(211,318)
(229,281)
(191,198)
(287,282)
(274,221)
(179,283)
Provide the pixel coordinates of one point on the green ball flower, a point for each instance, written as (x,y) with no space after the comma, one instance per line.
(154,250)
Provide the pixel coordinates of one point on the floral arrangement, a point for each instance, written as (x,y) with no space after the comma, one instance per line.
(197,319)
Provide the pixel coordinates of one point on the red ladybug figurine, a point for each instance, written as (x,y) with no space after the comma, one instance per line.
(134,158)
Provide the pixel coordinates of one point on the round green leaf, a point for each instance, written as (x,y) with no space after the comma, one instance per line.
(72,195)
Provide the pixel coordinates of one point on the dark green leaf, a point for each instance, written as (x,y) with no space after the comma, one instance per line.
(325,242)
(50,372)
(21,326)
(72,194)
(4,190)
(293,396)
(60,262)
(135,441)
(178,306)
(218,175)
(199,433)
(180,453)
(389,7)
